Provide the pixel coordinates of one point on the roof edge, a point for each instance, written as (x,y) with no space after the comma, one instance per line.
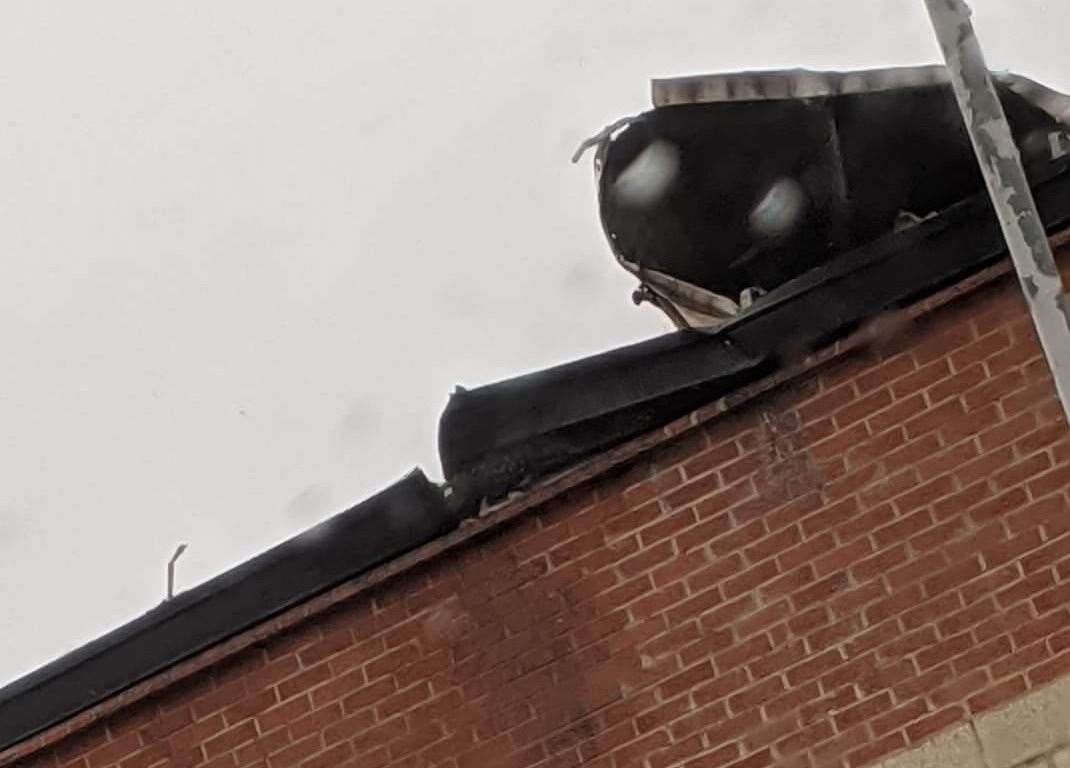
(393,521)
(495,517)
(772,85)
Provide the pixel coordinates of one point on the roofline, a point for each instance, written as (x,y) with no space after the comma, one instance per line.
(770,85)
(407,514)
(493,439)
(496,517)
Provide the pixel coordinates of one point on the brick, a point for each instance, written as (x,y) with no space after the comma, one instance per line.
(993,389)
(805,738)
(903,528)
(995,695)
(1039,513)
(830,517)
(944,650)
(981,349)
(801,555)
(952,577)
(944,342)
(720,687)
(864,523)
(368,694)
(1007,432)
(862,408)
(897,414)
(708,530)
(686,680)
(1050,669)
(304,681)
(773,544)
(1044,436)
(899,717)
(843,558)
(779,659)
(875,750)
(933,610)
(910,643)
(972,614)
(1050,482)
(958,503)
(1022,471)
(967,683)
(864,710)
(390,662)
(807,621)
(753,697)
(848,484)
(937,721)
(282,714)
(750,578)
(894,604)
(984,466)
(680,567)
(792,700)
(814,667)
(888,371)
(694,490)
(889,487)
(872,637)
(933,419)
(742,653)
(114,751)
(621,525)
(711,459)
(230,739)
(820,590)
(1037,629)
(872,449)
(954,386)
(850,601)
(1022,589)
(990,583)
(922,379)
(1052,598)
(827,403)
(738,538)
(758,455)
(726,500)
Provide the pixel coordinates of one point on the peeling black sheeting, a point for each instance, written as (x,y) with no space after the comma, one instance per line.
(496,438)
(861,159)
(405,515)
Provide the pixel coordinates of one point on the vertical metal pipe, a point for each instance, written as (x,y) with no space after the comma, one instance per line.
(1005,178)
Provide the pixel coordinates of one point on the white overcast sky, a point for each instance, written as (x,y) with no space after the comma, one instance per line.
(248,248)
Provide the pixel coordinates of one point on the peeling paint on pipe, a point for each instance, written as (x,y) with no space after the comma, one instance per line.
(1007,185)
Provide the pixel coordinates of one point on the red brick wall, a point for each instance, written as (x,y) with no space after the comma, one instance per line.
(833,572)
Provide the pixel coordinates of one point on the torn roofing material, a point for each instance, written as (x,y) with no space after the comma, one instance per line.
(495,438)
(405,515)
(745,181)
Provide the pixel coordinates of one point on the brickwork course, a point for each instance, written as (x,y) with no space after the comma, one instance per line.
(834,572)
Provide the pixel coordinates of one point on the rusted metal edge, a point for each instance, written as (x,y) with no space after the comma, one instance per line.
(495,517)
(768,85)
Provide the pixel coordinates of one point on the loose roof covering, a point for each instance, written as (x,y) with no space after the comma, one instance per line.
(498,438)
(494,439)
(742,182)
